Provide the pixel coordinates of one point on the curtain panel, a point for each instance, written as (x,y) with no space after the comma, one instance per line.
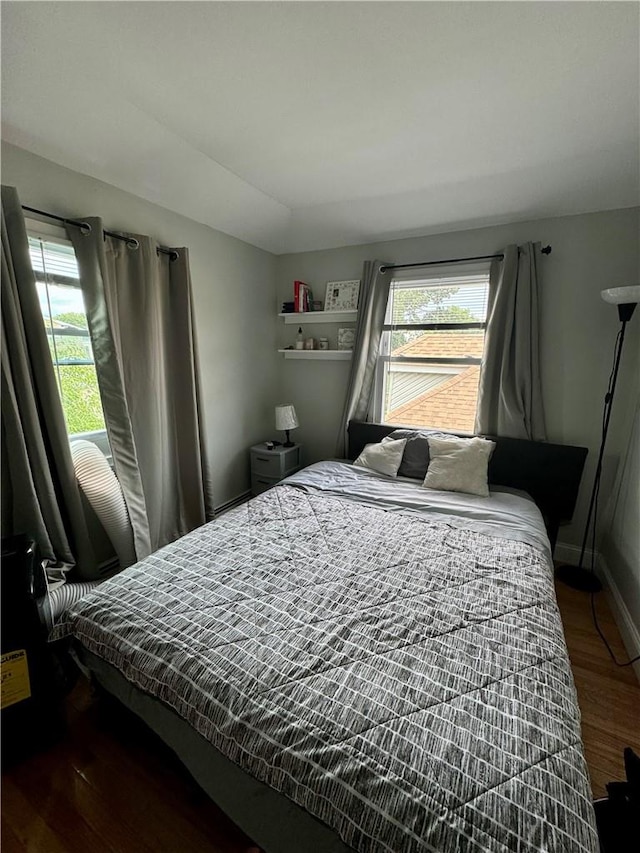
(140,316)
(372,307)
(40,495)
(510,394)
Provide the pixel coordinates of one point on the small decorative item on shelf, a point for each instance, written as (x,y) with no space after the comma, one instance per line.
(317,304)
(299,339)
(309,343)
(288,308)
(342,295)
(346,338)
(323,343)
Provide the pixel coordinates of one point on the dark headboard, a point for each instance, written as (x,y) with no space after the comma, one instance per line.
(550,473)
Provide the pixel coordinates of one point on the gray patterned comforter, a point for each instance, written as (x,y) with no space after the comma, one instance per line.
(401,678)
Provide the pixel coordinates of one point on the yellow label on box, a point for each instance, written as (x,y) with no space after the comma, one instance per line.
(15,678)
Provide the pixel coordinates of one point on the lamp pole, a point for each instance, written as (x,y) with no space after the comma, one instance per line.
(576,576)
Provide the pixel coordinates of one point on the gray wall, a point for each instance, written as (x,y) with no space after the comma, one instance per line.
(621,546)
(233,291)
(590,252)
(238,290)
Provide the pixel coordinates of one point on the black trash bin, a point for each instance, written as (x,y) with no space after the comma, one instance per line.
(618,814)
(32,713)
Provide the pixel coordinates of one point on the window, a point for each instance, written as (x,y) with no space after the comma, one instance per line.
(57,282)
(431,350)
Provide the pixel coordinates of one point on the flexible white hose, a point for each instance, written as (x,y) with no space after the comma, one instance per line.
(103,492)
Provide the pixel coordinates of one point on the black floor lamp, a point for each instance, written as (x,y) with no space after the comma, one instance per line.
(626,299)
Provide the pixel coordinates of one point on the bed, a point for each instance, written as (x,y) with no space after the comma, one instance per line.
(349,663)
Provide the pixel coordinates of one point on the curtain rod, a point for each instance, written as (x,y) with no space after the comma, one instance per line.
(546,250)
(85,226)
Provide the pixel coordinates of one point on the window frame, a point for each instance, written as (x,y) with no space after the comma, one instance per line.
(404,278)
(56,234)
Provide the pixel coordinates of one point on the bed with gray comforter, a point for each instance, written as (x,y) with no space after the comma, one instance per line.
(388,658)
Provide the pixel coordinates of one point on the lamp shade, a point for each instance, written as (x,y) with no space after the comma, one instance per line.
(622,295)
(286,417)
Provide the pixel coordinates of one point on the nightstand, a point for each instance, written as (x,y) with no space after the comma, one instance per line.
(268,467)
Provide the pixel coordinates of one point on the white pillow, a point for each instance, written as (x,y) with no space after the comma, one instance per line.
(459,465)
(385,458)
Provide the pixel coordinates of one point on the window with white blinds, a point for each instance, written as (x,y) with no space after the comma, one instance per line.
(431,350)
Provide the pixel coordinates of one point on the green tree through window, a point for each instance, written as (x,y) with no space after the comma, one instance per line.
(65,321)
(77,382)
(424,305)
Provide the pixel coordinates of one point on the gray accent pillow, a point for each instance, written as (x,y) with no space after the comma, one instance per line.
(415,459)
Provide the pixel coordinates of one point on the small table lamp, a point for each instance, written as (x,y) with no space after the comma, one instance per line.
(286,419)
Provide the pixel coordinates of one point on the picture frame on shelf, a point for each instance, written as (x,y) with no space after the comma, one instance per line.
(342,295)
(346,338)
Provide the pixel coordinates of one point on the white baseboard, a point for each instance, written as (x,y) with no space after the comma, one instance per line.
(565,553)
(234,502)
(628,629)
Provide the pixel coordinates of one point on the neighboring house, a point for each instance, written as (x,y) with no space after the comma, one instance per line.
(436,395)
(60,326)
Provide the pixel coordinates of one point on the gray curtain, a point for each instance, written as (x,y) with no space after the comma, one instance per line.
(140,319)
(40,496)
(372,306)
(510,397)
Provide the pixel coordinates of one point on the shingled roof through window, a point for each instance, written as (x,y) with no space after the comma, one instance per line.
(452,403)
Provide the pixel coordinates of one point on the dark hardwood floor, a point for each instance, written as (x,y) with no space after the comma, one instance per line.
(111,785)
(609,695)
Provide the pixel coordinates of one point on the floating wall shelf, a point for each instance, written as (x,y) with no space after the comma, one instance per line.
(319,317)
(318,354)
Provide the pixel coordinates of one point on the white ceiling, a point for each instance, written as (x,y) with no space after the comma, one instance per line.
(298,126)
